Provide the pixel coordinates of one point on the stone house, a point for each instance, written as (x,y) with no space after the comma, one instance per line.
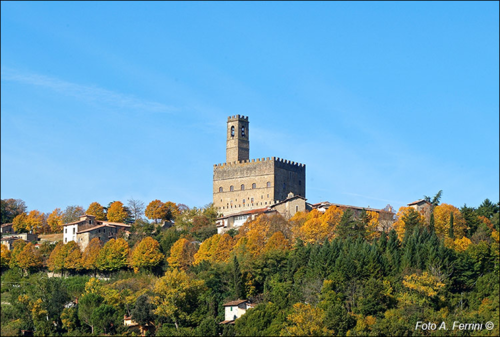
(7,228)
(8,240)
(423,207)
(87,228)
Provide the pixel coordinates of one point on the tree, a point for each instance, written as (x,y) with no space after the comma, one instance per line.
(136,208)
(10,208)
(237,278)
(55,220)
(20,223)
(176,294)
(72,213)
(103,317)
(407,219)
(207,250)
(5,256)
(86,306)
(170,211)
(18,248)
(154,210)
(277,242)
(442,216)
(56,260)
(143,311)
(96,210)
(347,227)
(35,222)
(73,260)
(116,212)
(435,200)
(113,256)
(29,258)
(451,233)
(146,254)
(90,255)
(224,248)
(306,320)
(181,254)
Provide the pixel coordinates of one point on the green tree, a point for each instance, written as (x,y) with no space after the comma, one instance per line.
(435,200)
(113,256)
(143,311)
(10,208)
(146,254)
(86,306)
(103,317)
(451,234)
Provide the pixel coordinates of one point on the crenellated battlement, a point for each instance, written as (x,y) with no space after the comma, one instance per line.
(282,161)
(236,118)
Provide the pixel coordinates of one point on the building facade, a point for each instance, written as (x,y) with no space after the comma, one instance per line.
(242,184)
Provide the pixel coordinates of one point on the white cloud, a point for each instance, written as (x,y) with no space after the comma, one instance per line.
(90,94)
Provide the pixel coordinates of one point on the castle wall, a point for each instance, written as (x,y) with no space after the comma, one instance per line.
(289,177)
(259,172)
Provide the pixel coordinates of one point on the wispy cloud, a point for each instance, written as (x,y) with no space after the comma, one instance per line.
(90,94)
(373,198)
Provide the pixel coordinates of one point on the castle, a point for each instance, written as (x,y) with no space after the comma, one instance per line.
(241,184)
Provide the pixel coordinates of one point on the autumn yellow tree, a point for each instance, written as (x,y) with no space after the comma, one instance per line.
(113,256)
(56,260)
(320,226)
(35,221)
(182,254)
(73,256)
(442,215)
(20,223)
(277,242)
(5,256)
(29,258)
(54,220)
(146,254)
(154,210)
(90,254)
(18,247)
(116,212)
(423,288)
(407,219)
(170,210)
(207,249)
(306,320)
(224,248)
(96,210)
(173,294)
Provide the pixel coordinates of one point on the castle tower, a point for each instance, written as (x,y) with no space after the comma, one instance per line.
(238,144)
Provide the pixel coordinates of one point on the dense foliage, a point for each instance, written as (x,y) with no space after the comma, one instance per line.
(316,274)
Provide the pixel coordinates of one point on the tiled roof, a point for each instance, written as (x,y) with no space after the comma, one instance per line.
(227,322)
(234,303)
(251,211)
(418,201)
(6,224)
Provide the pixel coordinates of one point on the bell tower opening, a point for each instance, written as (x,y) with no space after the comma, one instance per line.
(238,143)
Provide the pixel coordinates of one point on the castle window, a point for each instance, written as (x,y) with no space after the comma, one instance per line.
(268,184)
(242,187)
(243,201)
(243,131)
(296,209)
(300,182)
(232,131)
(254,186)
(231,188)
(262,197)
(221,189)
(251,200)
(284,185)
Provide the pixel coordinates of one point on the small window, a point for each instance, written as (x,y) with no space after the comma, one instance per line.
(65,240)
(242,187)
(74,230)
(221,189)
(231,188)
(300,182)
(284,186)
(254,186)
(296,209)
(251,200)
(243,201)
(65,230)
(243,133)
(268,184)
(232,131)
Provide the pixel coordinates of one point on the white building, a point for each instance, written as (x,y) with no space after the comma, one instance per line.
(234,310)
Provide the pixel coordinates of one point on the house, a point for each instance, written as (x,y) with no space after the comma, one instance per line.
(234,310)
(87,228)
(236,220)
(291,205)
(8,240)
(423,207)
(7,228)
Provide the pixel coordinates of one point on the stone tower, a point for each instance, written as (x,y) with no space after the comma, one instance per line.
(242,184)
(238,144)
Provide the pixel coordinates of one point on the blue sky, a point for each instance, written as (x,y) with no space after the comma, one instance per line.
(384,102)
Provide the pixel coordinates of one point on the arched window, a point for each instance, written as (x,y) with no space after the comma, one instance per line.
(254,186)
(242,187)
(231,188)
(268,184)
(251,200)
(243,201)
(232,131)
(221,189)
(243,131)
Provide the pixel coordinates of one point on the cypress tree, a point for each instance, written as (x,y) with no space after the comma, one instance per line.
(431,223)
(237,278)
(450,232)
